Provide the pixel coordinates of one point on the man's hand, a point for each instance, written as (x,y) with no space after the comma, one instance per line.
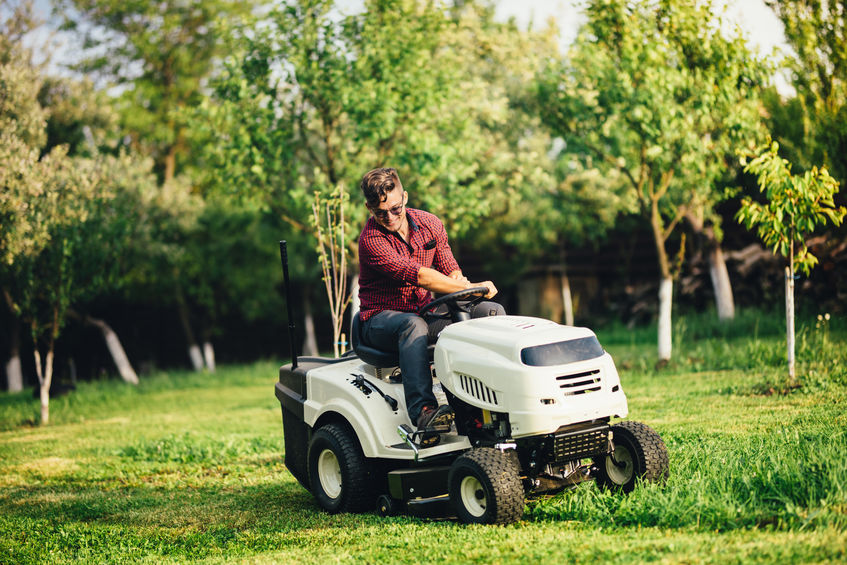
(431,279)
(457,275)
(492,290)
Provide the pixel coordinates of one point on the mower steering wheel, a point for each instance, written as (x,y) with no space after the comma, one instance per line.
(452,301)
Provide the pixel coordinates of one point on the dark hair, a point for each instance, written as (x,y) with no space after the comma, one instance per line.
(376,185)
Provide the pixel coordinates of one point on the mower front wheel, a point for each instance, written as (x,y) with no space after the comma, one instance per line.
(485,487)
(639,453)
(338,471)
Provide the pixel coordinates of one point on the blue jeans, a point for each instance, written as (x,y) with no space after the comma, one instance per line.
(409,335)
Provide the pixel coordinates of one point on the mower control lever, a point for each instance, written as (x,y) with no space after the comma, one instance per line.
(367,387)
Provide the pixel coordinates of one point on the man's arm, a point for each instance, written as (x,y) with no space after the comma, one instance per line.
(431,279)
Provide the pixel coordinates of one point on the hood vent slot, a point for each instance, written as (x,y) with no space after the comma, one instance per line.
(580,383)
(475,388)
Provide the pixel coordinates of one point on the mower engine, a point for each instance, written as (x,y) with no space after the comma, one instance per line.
(548,390)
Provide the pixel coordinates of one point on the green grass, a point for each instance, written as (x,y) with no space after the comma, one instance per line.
(188,468)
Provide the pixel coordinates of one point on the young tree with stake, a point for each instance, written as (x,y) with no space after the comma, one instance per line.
(794,206)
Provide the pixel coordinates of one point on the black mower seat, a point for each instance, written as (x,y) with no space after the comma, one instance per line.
(368,354)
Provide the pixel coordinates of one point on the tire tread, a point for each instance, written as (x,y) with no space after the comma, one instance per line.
(504,476)
(650,457)
(357,494)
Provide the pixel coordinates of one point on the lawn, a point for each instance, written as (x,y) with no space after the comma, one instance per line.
(188,468)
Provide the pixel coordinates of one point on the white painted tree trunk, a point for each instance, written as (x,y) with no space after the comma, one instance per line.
(194,352)
(116,350)
(209,355)
(196,357)
(721,285)
(567,299)
(789,320)
(665,320)
(355,304)
(45,378)
(310,344)
(14,374)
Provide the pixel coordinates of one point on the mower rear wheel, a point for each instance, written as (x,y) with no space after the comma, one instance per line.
(639,453)
(485,487)
(339,474)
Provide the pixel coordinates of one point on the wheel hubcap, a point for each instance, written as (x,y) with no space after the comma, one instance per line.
(619,465)
(473,496)
(329,473)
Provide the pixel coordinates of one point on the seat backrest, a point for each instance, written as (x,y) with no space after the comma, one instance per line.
(368,354)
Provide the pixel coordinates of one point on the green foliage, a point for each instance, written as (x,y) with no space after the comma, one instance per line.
(161,52)
(795,205)
(80,116)
(816,32)
(659,93)
(20,113)
(23,233)
(311,100)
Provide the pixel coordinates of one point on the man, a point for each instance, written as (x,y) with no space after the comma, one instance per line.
(403,255)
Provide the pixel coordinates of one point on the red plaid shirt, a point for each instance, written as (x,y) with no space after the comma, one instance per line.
(388,266)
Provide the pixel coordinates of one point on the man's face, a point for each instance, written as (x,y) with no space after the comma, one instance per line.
(391,212)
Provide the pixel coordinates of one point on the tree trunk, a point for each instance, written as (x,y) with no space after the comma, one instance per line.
(45,378)
(724,301)
(45,372)
(14,374)
(169,165)
(355,305)
(209,355)
(116,350)
(665,330)
(789,320)
(567,299)
(665,319)
(310,345)
(193,349)
(718,274)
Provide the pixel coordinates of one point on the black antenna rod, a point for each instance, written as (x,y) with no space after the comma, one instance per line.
(283,255)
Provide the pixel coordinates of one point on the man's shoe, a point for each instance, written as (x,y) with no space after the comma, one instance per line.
(435,419)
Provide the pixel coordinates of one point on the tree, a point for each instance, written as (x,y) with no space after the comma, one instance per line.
(795,205)
(312,101)
(63,228)
(332,253)
(160,53)
(46,279)
(816,30)
(656,92)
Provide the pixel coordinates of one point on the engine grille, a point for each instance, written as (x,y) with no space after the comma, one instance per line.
(570,444)
(580,383)
(475,388)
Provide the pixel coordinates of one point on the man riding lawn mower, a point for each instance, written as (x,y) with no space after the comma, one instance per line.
(500,408)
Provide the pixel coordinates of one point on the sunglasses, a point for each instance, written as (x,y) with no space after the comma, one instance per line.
(383,214)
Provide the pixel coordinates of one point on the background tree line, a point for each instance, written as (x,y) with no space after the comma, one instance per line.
(143,193)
